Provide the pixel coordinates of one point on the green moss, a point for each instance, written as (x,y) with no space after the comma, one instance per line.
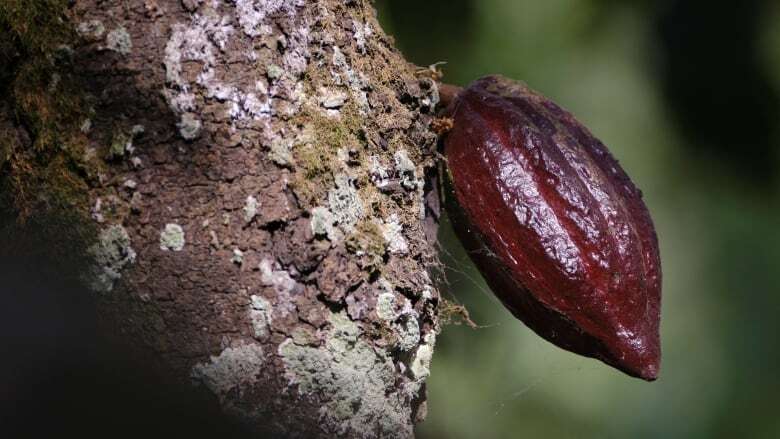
(367,242)
(47,102)
(35,26)
(317,150)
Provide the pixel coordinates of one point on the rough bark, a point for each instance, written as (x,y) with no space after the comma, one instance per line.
(255,174)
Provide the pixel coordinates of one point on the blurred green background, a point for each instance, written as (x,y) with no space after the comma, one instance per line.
(685,94)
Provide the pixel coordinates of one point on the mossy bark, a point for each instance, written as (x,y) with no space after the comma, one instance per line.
(250,178)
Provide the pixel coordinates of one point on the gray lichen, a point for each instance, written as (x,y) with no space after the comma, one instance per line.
(322,221)
(172,238)
(280,152)
(235,369)
(355,381)
(119,40)
(408,330)
(260,316)
(385,306)
(250,208)
(344,202)
(283,284)
(392,230)
(112,253)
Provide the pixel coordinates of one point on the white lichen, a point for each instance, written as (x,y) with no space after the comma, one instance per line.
(189,126)
(112,253)
(392,231)
(86,126)
(260,316)
(357,383)
(203,42)
(235,369)
(92,29)
(406,169)
(238,256)
(427,293)
(119,40)
(361,31)
(172,238)
(252,14)
(137,130)
(283,284)
(421,363)
(250,208)
(378,173)
(96,210)
(332,99)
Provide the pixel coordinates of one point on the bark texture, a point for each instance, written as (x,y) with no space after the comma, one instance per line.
(255,174)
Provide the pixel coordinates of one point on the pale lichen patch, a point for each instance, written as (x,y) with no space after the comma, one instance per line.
(92,29)
(406,169)
(421,364)
(332,99)
(238,257)
(385,306)
(172,238)
(408,330)
(344,202)
(235,369)
(260,316)
(112,253)
(355,381)
(86,126)
(378,173)
(119,40)
(280,152)
(252,14)
(274,72)
(322,221)
(189,126)
(392,230)
(283,284)
(250,208)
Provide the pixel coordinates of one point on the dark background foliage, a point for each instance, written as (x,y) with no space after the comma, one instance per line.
(685,94)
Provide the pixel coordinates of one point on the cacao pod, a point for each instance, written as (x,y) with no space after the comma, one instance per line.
(554,224)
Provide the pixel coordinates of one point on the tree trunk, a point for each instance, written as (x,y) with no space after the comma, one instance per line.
(252,175)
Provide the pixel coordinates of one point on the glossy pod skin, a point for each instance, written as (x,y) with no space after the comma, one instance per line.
(554,224)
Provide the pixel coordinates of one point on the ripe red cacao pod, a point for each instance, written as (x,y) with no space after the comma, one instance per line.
(554,224)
